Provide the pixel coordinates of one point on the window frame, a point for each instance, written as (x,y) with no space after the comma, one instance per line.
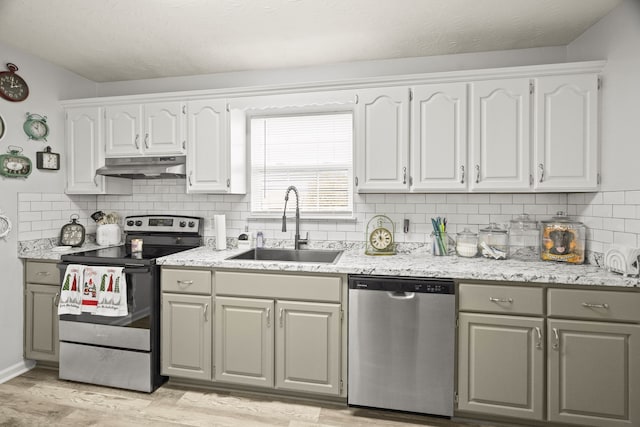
(293,112)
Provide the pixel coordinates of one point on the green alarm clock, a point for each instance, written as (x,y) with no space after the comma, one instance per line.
(13,164)
(36,127)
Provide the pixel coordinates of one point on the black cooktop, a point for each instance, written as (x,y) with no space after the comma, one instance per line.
(122,255)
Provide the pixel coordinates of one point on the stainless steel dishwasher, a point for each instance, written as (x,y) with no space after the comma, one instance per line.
(402,343)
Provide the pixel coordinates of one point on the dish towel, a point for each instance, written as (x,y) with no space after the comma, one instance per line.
(90,289)
(71,291)
(112,293)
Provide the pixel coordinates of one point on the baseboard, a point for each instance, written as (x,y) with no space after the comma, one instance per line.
(15,370)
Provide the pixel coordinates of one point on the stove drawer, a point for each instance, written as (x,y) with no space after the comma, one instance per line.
(186,281)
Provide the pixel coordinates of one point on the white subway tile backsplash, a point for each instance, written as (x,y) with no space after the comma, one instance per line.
(610,217)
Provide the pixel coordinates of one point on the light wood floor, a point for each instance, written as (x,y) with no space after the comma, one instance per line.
(39,398)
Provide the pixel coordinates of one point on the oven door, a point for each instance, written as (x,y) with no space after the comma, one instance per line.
(132,331)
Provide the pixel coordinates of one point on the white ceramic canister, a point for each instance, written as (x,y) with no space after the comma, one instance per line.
(108,234)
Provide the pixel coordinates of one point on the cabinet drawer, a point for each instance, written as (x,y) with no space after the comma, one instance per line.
(600,305)
(501,299)
(186,281)
(46,273)
(260,285)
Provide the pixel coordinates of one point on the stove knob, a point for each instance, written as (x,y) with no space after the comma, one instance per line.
(139,223)
(130,223)
(183,224)
(192,224)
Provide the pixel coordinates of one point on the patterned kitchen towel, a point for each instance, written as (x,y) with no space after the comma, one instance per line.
(90,289)
(71,291)
(112,294)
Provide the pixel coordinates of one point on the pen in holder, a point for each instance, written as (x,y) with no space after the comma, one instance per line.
(442,244)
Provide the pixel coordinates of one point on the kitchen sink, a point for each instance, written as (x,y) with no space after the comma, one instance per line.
(292,255)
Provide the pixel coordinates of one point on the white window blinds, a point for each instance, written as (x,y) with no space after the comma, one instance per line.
(312,152)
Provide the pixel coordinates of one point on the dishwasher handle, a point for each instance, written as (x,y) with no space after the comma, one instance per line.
(401,295)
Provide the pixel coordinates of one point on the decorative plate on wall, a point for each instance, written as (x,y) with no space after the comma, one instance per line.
(3,127)
(5,225)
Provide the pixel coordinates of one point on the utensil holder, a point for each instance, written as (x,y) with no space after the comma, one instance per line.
(442,244)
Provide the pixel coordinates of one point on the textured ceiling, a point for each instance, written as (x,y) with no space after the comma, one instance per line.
(113,40)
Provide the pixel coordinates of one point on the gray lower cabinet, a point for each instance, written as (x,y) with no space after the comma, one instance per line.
(42,291)
(186,323)
(501,365)
(186,336)
(280,331)
(593,357)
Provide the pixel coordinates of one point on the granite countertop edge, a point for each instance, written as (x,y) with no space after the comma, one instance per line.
(420,264)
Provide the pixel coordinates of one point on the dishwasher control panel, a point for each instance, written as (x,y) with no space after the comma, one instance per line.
(425,285)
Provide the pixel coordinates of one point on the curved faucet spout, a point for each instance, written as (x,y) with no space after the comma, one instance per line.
(296,240)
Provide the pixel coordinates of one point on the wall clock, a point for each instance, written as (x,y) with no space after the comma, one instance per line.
(380,236)
(12,86)
(13,164)
(3,127)
(72,234)
(36,127)
(47,160)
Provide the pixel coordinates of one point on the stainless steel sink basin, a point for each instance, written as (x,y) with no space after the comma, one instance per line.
(292,255)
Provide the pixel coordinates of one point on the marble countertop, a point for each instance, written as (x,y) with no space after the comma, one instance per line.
(418,263)
(49,253)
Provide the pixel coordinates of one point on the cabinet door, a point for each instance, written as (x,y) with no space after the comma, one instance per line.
(566,132)
(85,154)
(186,336)
(208,153)
(594,373)
(41,326)
(123,130)
(164,128)
(244,341)
(501,365)
(499,135)
(382,139)
(308,347)
(439,137)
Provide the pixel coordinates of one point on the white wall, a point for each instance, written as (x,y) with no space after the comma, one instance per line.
(616,38)
(47,85)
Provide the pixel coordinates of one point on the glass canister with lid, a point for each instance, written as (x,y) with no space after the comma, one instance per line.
(467,243)
(562,240)
(524,238)
(493,241)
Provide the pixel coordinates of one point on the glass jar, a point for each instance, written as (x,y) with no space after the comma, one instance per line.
(562,240)
(524,238)
(467,243)
(493,242)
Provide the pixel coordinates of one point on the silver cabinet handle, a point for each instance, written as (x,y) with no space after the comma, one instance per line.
(184,283)
(268,317)
(556,339)
(184,145)
(56,299)
(462,174)
(590,305)
(228,182)
(541,167)
(190,175)
(95,180)
(136,141)
(356,179)
(539,341)
(204,311)
(146,140)
(507,300)
(404,175)
(43,273)
(282,317)
(477,174)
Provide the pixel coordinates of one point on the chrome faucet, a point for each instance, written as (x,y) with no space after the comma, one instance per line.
(297,241)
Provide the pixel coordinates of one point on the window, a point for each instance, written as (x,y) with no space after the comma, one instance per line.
(312,152)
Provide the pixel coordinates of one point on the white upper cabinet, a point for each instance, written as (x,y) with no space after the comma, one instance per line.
(499,135)
(382,140)
(566,133)
(155,128)
(216,160)
(85,154)
(439,137)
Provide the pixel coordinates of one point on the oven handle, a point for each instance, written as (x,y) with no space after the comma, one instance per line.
(127,270)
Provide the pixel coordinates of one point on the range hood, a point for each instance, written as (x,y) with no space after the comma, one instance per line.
(144,167)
